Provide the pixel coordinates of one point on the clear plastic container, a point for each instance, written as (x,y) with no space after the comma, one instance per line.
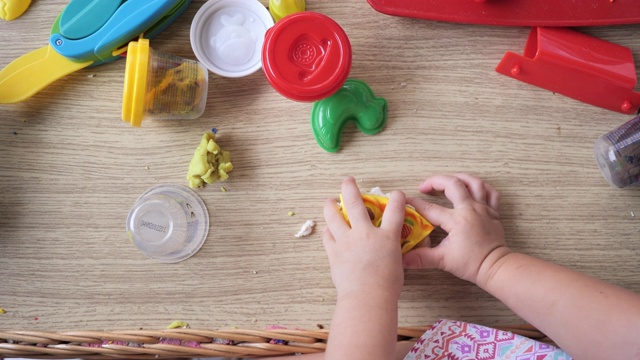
(162,86)
(618,154)
(168,223)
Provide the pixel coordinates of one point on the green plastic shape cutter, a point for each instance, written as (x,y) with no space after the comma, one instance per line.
(355,102)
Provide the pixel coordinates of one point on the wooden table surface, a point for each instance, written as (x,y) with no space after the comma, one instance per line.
(70,170)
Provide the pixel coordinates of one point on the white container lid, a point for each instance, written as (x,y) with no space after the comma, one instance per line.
(227,36)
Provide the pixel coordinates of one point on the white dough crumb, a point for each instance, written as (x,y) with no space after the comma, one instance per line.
(632,214)
(378,191)
(306,228)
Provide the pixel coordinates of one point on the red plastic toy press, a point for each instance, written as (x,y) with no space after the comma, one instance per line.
(576,65)
(516,12)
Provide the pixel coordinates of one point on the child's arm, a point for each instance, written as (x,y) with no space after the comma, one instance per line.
(366,268)
(401,351)
(587,318)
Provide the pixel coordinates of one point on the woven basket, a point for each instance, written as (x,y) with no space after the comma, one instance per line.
(185,343)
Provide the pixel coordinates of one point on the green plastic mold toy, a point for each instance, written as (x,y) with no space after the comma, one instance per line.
(354,101)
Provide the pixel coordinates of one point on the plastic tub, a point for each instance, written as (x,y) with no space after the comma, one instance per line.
(168,223)
(227,36)
(162,86)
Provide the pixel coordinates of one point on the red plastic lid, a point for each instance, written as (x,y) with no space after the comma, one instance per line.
(306,56)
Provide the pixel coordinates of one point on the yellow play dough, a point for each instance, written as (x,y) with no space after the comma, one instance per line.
(11,9)
(183,80)
(178,324)
(209,163)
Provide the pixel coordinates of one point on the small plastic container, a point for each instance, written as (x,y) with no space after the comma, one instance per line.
(227,36)
(618,154)
(162,86)
(168,223)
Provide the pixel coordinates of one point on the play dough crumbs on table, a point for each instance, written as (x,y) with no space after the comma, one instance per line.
(178,324)
(306,229)
(209,163)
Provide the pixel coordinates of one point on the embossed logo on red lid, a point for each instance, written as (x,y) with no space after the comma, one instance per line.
(306,56)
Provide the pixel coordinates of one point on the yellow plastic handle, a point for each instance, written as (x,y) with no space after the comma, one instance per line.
(12,9)
(30,73)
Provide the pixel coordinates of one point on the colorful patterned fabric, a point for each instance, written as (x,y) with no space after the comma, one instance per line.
(456,340)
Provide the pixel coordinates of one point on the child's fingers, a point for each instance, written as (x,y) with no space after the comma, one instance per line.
(352,202)
(436,214)
(493,197)
(328,241)
(424,243)
(334,219)
(475,186)
(393,216)
(422,258)
(454,188)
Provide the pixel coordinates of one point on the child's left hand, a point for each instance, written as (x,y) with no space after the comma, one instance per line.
(364,258)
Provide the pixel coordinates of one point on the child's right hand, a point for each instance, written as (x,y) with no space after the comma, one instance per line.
(364,258)
(475,239)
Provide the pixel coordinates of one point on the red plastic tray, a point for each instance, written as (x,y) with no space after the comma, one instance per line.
(517,12)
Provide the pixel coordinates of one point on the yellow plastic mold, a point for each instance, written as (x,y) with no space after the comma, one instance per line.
(414,229)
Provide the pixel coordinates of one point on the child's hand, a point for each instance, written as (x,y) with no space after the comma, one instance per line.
(364,258)
(475,237)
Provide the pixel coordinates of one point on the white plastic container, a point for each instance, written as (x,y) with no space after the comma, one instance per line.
(227,36)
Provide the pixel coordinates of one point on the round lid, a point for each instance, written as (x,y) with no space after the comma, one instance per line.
(135,82)
(227,36)
(168,223)
(306,56)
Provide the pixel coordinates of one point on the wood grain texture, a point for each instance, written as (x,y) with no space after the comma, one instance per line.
(70,170)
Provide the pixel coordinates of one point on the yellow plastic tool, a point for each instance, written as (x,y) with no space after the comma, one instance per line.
(50,66)
(282,8)
(12,9)
(414,229)
(87,32)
